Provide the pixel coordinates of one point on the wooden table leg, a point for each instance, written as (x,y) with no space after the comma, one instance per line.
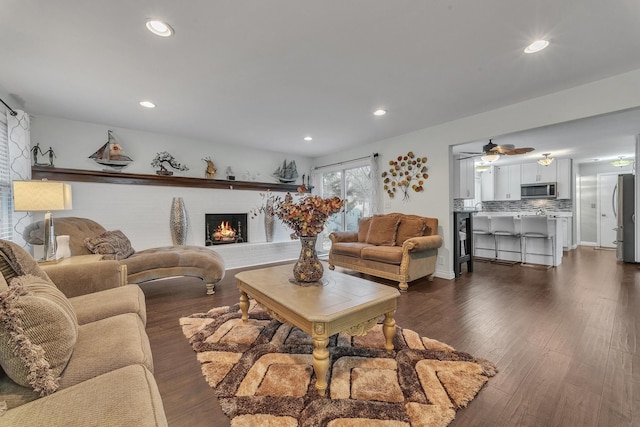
(244,305)
(320,357)
(389,330)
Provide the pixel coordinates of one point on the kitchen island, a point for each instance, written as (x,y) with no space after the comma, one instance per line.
(509,248)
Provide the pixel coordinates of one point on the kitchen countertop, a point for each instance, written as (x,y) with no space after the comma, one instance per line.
(552,214)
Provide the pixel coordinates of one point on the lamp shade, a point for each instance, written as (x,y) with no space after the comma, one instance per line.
(41,196)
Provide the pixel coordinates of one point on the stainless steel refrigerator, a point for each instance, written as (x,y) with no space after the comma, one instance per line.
(624,209)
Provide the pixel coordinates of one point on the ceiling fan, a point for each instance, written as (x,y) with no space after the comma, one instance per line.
(492,152)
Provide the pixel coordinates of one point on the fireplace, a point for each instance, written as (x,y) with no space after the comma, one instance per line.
(223,229)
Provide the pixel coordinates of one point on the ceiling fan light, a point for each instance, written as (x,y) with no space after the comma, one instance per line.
(546,161)
(490,158)
(621,162)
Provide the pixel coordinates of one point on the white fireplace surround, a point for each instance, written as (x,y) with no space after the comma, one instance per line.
(142,213)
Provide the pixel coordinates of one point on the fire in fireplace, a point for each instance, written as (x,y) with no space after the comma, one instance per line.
(225,228)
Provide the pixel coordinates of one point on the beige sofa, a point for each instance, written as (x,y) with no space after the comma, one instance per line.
(142,266)
(79,361)
(393,246)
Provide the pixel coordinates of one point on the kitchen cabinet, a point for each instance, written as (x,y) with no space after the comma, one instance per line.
(486,185)
(506,181)
(463,178)
(563,179)
(533,173)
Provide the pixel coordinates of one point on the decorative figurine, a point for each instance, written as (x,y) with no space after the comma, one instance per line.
(230,175)
(210,172)
(287,172)
(35,151)
(165,157)
(111,154)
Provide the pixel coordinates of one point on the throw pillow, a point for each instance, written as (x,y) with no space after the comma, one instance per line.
(382,230)
(38,331)
(15,261)
(408,228)
(111,244)
(363,229)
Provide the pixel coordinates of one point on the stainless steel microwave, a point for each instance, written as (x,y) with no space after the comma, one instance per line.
(538,191)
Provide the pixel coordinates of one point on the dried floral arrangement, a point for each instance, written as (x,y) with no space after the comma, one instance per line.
(406,172)
(307,216)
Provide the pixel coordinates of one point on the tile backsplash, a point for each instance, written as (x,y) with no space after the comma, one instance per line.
(530,205)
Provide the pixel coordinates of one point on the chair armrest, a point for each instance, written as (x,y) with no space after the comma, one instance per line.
(344,236)
(423,243)
(80,279)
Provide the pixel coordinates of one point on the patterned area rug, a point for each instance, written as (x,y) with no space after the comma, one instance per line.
(262,374)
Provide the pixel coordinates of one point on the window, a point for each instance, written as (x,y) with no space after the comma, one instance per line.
(353,182)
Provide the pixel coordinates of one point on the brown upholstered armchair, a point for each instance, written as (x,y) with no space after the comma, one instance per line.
(142,266)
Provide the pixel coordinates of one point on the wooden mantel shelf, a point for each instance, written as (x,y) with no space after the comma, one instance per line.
(60,174)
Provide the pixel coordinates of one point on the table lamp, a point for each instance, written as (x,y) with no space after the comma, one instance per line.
(43,196)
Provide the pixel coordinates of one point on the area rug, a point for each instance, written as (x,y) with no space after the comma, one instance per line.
(261,372)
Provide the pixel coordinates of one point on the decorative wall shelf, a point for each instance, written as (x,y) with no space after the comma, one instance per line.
(78,175)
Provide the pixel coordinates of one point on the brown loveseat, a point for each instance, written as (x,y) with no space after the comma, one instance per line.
(393,246)
(72,362)
(142,266)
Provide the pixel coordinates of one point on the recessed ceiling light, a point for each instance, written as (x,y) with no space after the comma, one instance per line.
(308,138)
(380,112)
(159,28)
(147,104)
(536,46)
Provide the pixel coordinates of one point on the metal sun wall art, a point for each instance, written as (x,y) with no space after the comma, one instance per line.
(405,173)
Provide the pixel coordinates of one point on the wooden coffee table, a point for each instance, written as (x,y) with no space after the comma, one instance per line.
(341,303)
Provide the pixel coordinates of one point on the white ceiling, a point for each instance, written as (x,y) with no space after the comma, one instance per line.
(265,74)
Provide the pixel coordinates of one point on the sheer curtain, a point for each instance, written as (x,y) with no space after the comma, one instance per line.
(19,151)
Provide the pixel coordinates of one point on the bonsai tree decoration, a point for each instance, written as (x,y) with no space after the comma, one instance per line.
(406,172)
(164,157)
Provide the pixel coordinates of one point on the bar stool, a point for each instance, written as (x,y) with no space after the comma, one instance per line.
(505,226)
(536,227)
(481,227)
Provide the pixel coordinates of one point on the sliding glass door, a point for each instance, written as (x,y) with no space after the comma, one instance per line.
(354,184)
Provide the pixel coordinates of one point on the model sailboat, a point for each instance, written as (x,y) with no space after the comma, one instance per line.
(287,172)
(111,154)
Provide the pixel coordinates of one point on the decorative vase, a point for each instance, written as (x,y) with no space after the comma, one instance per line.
(269,220)
(178,222)
(63,250)
(308,267)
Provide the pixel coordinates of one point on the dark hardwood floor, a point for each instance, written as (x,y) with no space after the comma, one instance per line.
(565,340)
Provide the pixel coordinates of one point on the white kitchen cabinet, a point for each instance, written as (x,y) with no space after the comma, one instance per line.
(507,182)
(463,178)
(533,173)
(486,185)
(563,179)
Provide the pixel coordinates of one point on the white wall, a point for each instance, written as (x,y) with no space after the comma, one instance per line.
(141,211)
(74,141)
(604,96)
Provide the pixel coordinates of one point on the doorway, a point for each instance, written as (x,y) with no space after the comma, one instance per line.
(607,215)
